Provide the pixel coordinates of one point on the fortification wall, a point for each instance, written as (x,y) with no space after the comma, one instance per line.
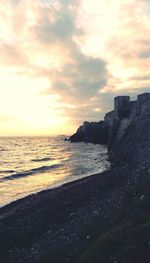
(133,109)
(121,107)
(124,108)
(143,103)
(125,112)
(109,118)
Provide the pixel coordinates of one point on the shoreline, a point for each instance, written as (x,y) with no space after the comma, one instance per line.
(56,224)
(55,186)
(51,191)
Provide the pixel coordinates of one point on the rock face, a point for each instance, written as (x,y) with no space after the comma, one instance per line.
(126,130)
(128,114)
(134,142)
(93,132)
(129,129)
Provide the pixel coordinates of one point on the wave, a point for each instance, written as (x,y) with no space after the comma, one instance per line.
(46,159)
(41,169)
(7,171)
(3,150)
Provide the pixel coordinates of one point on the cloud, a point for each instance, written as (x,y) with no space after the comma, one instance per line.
(51,31)
(12,56)
(88,53)
(15,2)
(6,118)
(80,76)
(144,54)
(81,79)
(57,23)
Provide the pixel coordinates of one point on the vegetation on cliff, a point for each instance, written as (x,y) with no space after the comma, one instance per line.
(127,238)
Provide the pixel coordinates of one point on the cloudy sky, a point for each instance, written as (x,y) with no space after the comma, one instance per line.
(63,61)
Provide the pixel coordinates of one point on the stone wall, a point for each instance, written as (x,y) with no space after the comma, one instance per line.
(121,107)
(134,146)
(129,137)
(124,108)
(109,118)
(143,103)
(133,109)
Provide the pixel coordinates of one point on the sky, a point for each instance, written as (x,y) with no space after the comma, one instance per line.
(63,61)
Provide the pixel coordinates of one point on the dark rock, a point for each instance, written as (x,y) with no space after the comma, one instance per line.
(134,146)
(91,132)
(129,137)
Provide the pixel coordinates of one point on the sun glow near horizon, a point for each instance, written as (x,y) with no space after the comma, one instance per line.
(25,109)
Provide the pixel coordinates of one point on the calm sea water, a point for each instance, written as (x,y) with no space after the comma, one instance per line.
(31,164)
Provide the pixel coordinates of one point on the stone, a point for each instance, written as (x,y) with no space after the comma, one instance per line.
(91,132)
(121,107)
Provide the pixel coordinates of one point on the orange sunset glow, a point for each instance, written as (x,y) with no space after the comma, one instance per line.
(63,61)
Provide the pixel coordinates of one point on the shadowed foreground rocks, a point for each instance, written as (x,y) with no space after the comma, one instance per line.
(60,225)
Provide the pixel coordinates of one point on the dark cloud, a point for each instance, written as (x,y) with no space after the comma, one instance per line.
(84,114)
(144,54)
(88,110)
(81,79)
(145,42)
(57,24)
(141,78)
(82,76)
(16,2)
(50,32)
(107,98)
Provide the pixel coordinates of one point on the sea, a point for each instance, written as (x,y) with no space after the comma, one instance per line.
(31,164)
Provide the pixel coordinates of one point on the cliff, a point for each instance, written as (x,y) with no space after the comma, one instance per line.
(93,132)
(125,130)
(129,132)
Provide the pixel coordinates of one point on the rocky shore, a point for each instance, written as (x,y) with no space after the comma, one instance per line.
(59,225)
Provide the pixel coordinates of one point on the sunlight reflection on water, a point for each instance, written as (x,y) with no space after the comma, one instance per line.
(31,164)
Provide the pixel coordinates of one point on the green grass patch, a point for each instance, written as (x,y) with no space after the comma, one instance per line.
(127,238)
